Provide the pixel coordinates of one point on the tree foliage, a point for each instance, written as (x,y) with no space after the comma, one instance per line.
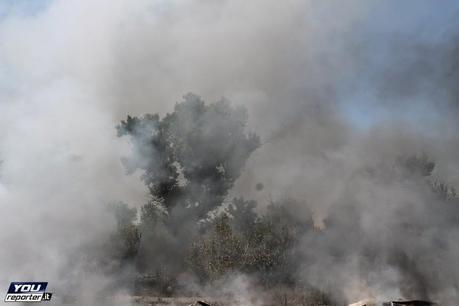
(125,240)
(259,245)
(192,156)
(189,160)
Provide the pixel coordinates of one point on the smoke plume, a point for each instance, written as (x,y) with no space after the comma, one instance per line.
(350,101)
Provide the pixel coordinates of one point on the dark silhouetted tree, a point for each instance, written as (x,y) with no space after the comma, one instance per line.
(189,161)
(192,156)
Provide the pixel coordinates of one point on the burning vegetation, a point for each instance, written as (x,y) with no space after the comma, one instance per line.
(190,237)
(327,174)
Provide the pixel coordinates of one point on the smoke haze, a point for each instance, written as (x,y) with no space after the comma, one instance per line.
(340,95)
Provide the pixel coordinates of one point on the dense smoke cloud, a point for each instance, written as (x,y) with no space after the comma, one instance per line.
(337,96)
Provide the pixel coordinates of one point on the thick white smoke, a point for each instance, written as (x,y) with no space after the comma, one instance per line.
(70,70)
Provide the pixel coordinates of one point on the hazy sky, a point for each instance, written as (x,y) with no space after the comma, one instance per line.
(382,20)
(419,21)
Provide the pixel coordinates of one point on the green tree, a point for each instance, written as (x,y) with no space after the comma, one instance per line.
(191,157)
(264,246)
(271,244)
(189,160)
(126,238)
(219,254)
